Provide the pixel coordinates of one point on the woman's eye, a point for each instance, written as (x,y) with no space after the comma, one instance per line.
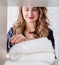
(34,9)
(26,9)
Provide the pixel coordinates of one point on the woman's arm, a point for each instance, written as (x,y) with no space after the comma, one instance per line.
(13,39)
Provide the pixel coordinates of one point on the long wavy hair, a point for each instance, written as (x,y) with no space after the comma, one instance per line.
(41,29)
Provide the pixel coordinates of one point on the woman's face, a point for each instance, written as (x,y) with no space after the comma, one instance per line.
(30,14)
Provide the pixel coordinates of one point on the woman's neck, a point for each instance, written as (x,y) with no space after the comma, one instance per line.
(29,35)
(30,27)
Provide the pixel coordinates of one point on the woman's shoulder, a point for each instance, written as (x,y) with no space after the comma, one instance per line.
(10,32)
(50,33)
(50,30)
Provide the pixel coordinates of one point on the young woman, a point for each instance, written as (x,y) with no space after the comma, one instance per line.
(31,24)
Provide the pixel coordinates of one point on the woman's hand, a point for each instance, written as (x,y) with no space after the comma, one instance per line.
(17,39)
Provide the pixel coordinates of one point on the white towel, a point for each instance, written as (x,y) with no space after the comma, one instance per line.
(38,50)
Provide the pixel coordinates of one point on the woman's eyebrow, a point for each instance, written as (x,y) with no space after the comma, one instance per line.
(26,7)
(31,8)
(34,7)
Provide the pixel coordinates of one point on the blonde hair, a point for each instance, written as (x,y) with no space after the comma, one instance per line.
(41,25)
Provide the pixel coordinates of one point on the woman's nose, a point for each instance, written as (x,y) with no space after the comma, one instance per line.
(30,13)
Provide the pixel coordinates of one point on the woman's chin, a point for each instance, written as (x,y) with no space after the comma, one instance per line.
(30,21)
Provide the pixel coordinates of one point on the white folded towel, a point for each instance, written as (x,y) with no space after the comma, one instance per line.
(37,50)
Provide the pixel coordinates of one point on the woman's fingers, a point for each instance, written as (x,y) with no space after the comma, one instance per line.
(13,39)
(17,39)
(20,39)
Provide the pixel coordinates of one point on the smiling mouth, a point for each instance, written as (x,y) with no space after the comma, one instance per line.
(30,17)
